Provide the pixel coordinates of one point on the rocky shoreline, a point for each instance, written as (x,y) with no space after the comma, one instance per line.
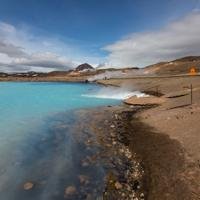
(123,172)
(124,179)
(139,163)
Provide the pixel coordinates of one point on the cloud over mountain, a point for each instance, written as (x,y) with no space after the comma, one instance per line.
(177,39)
(22,50)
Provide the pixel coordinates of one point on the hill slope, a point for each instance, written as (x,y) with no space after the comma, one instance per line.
(178,66)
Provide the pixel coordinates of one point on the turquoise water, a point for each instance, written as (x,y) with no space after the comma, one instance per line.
(32,146)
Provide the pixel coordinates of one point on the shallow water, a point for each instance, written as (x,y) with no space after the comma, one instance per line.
(37,141)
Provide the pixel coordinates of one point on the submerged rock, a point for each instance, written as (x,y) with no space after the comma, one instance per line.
(70,190)
(113,134)
(28,186)
(83,179)
(89,197)
(118,185)
(112,126)
(85,163)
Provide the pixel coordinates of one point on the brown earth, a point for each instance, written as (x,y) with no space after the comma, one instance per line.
(179,66)
(166,137)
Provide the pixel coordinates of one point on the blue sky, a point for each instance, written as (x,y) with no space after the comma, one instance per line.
(75,31)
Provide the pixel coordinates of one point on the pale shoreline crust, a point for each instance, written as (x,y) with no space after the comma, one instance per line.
(142,101)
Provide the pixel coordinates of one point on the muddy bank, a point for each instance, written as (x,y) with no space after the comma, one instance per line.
(160,161)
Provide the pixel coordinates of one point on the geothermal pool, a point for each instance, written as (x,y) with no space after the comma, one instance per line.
(37,143)
(36,138)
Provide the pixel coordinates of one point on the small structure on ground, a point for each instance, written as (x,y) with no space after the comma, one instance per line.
(193,71)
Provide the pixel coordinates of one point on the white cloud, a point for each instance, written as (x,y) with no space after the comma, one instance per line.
(11,50)
(178,39)
(20,50)
(45,60)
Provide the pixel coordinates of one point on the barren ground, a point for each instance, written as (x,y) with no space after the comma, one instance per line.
(167,138)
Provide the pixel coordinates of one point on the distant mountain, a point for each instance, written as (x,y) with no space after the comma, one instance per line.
(83,67)
(178,66)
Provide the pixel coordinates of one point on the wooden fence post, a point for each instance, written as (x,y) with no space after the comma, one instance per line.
(191,94)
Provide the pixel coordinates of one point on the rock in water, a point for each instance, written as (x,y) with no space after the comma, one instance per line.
(89,197)
(28,186)
(83,179)
(118,185)
(70,190)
